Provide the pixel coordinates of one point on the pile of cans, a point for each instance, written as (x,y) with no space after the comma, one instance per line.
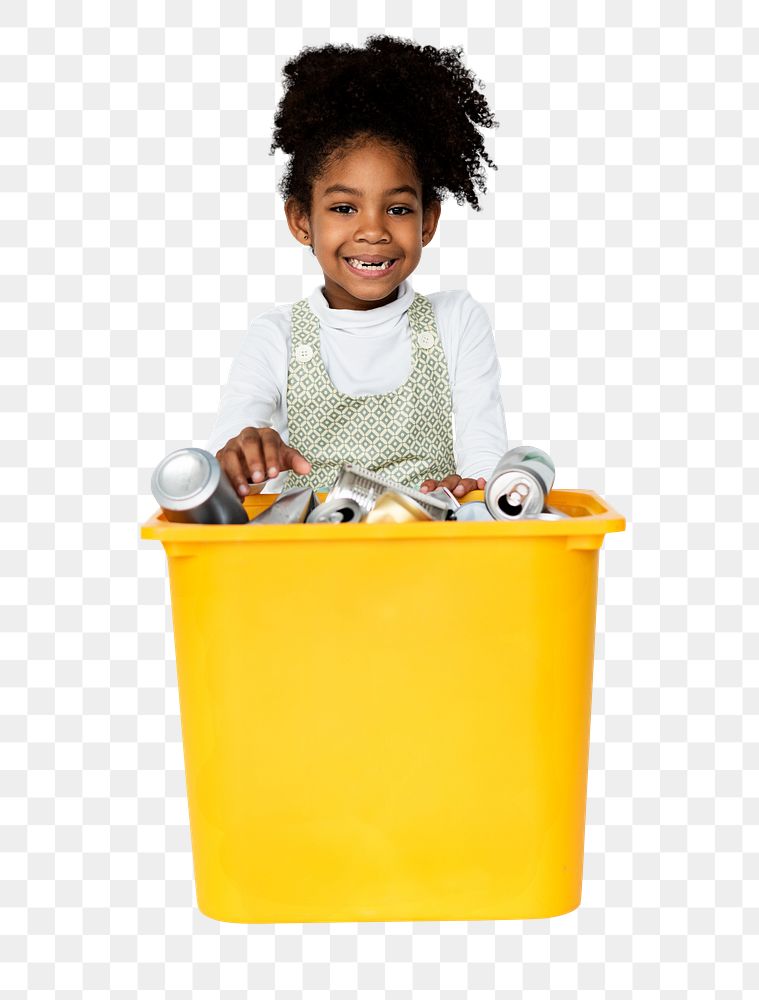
(191,487)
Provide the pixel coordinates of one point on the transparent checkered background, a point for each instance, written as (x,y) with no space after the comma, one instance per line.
(616,254)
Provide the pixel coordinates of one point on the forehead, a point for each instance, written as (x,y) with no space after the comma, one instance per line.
(373,168)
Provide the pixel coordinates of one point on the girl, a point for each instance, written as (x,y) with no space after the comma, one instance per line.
(366,370)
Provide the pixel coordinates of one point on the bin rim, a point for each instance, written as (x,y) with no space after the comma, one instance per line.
(598,519)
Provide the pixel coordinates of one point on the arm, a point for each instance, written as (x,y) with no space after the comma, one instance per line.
(252,397)
(257,378)
(479,421)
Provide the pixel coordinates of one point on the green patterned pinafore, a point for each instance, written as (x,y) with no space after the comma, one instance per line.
(406,434)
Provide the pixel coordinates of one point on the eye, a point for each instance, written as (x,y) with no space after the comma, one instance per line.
(404,209)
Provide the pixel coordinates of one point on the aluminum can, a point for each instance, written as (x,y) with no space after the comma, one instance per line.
(519,484)
(290,507)
(366,487)
(395,508)
(553,514)
(474,510)
(192,487)
(444,494)
(341,510)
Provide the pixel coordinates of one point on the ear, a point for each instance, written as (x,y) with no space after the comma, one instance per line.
(430,221)
(297,220)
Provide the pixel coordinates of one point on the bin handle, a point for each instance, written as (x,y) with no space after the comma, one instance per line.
(180,550)
(584,541)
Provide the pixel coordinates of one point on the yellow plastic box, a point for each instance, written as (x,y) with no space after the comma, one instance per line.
(387,722)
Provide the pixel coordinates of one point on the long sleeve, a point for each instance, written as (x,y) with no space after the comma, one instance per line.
(252,396)
(479,420)
(369,352)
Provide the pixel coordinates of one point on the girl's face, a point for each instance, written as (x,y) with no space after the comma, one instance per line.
(372,220)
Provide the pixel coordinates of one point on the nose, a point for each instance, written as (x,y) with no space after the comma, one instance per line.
(372,227)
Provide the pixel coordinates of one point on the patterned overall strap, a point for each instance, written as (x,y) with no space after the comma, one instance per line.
(406,434)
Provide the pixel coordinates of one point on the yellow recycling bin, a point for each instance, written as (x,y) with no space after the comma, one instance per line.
(387,721)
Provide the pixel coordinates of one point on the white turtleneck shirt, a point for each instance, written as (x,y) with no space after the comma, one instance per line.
(367,352)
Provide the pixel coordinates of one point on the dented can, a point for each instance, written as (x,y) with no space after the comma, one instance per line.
(365,487)
(519,484)
(290,507)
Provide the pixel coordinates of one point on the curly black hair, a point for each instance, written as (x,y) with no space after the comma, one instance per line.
(418,99)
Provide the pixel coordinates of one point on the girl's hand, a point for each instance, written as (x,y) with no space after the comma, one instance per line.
(458,486)
(259,453)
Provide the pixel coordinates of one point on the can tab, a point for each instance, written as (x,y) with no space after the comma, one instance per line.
(518,495)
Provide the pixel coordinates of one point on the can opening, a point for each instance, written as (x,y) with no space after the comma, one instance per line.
(508,508)
(339,515)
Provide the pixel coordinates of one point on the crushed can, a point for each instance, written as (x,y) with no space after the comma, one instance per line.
(365,487)
(291,507)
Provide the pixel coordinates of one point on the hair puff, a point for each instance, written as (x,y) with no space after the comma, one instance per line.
(428,111)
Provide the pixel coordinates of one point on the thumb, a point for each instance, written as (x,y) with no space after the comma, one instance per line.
(297,462)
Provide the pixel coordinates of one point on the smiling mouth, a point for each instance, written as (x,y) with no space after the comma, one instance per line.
(370,270)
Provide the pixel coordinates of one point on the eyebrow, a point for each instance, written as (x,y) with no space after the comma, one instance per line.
(403,189)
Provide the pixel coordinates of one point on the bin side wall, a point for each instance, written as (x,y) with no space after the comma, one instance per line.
(386,732)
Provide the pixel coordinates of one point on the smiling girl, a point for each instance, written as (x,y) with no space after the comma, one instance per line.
(365,369)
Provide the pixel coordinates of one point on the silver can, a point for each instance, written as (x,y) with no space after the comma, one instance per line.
(192,487)
(553,514)
(474,510)
(290,507)
(341,510)
(444,494)
(365,487)
(519,484)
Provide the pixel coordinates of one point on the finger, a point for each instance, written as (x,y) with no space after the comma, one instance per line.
(465,486)
(250,445)
(450,482)
(232,463)
(272,447)
(481,483)
(428,484)
(292,459)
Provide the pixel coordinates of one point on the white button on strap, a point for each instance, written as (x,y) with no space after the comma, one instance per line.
(304,352)
(426,339)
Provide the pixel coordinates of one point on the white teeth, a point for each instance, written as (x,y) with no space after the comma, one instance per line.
(360,263)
